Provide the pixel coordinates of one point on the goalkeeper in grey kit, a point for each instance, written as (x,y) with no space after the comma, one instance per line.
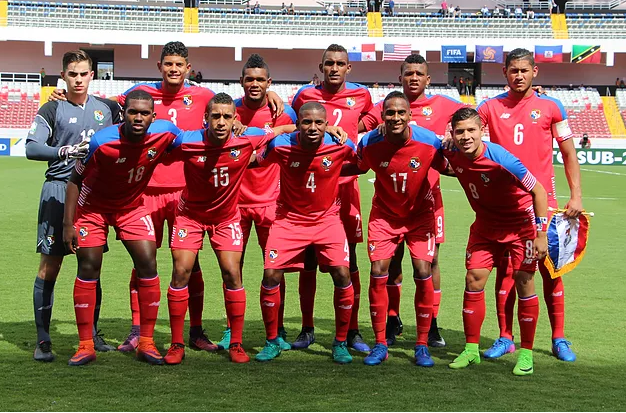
(59,135)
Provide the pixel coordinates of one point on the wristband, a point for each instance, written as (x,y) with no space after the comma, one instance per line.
(542,224)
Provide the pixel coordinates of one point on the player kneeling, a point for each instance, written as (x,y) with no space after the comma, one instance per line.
(307,214)
(504,194)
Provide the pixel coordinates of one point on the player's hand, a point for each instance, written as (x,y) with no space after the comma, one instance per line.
(540,245)
(381,129)
(277,106)
(573,208)
(540,90)
(69,238)
(338,133)
(447,142)
(57,94)
(78,151)
(239,128)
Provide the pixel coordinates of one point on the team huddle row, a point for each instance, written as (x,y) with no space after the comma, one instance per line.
(208,164)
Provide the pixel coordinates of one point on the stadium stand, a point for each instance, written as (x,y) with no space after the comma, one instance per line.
(19,102)
(596,26)
(620,97)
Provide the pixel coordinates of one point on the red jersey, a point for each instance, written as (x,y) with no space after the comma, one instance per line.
(526,128)
(116,171)
(309,182)
(260,185)
(186,110)
(433,113)
(401,187)
(497,185)
(213,174)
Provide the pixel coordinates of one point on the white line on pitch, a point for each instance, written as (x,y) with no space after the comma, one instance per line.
(598,171)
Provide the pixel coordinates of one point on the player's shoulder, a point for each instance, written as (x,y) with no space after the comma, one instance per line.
(163,126)
(355,86)
(550,101)
(48,109)
(498,154)
(445,100)
(285,140)
(370,138)
(113,106)
(423,135)
(106,135)
(147,86)
(493,100)
(306,90)
(238,103)
(291,113)
(252,131)
(190,87)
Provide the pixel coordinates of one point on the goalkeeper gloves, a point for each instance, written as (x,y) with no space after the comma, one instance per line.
(78,151)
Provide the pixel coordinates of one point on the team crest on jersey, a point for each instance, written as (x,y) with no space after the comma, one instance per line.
(234,154)
(182,233)
(415,163)
(350,102)
(33,128)
(326,162)
(485,178)
(273,254)
(187,100)
(152,153)
(535,114)
(427,111)
(468,255)
(50,239)
(83,232)
(372,247)
(98,116)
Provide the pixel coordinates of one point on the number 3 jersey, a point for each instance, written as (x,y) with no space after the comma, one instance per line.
(116,171)
(309,181)
(184,109)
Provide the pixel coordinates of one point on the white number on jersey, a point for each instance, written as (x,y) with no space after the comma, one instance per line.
(172,113)
(310,184)
(149,225)
(403,176)
(530,249)
(235,233)
(85,135)
(136,174)
(518,134)
(472,188)
(431,244)
(339,114)
(220,177)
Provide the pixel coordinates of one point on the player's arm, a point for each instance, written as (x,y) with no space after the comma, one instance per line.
(40,134)
(351,169)
(540,206)
(277,106)
(574,206)
(338,134)
(71,200)
(357,165)
(279,130)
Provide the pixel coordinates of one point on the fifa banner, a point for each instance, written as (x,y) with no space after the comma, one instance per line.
(454,54)
(489,54)
(586,54)
(549,54)
(567,242)
(13,142)
(615,157)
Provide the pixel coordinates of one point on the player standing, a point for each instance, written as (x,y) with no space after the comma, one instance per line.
(310,163)
(506,198)
(259,188)
(59,136)
(432,112)
(106,189)
(525,124)
(345,104)
(402,209)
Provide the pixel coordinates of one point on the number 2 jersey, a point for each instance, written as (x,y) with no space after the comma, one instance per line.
(526,128)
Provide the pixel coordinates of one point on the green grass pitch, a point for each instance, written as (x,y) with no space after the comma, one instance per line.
(308,380)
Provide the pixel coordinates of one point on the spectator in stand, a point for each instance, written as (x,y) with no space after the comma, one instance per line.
(330,9)
(570,87)
(462,86)
(372,5)
(585,142)
(292,10)
(616,81)
(362,11)
(497,12)
(391,85)
(192,75)
(582,87)
(530,13)
(469,83)
(518,12)
(457,11)
(199,76)
(444,9)
(257,8)
(552,7)
(316,80)
(507,11)
(485,11)
(454,82)
(392,5)
(283,9)
(342,10)
(375,85)
(621,84)
(42,73)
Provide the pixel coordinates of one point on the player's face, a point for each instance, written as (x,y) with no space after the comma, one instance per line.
(396,115)
(414,79)
(467,135)
(138,116)
(174,69)
(255,82)
(335,67)
(519,75)
(220,118)
(312,126)
(77,76)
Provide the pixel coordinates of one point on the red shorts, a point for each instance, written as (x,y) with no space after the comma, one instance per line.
(440,236)
(487,248)
(288,240)
(162,207)
(92,228)
(262,217)
(188,234)
(384,235)
(350,212)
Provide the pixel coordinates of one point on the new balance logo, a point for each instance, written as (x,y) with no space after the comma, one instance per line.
(81,305)
(528,261)
(201,158)
(345,307)
(120,160)
(557,294)
(423,315)
(502,292)
(294,164)
(527,319)
(45,307)
(468,311)
(155,304)
(268,304)
(505,116)
(459,170)
(73,120)
(374,313)
(158,102)
(384,164)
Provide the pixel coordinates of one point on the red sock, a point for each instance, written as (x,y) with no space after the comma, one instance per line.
(527,314)
(473,315)
(177,301)
(555,301)
(196,299)
(134,299)
(344,303)
(149,300)
(355,277)
(270,303)
(393,292)
(306,288)
(235,301)
(505,297)
(379,302)
(436,302)
(281,308)
(424,292)
(84,303)
(227,320)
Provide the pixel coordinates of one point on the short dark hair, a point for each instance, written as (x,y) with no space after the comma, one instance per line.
(138,94)
(465,114)
(335,48)
(255,61)
(413,59)
(517,54)
(221,99)
(75,56)
(175,49)
(396,94)
(312,106)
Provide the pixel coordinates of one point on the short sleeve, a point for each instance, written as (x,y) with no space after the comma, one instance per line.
(483,111)
(43,124)
(259,137)
(373,118)
(439,163)
(361,162)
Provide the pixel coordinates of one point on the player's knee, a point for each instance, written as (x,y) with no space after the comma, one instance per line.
(474,281)
(89,269)
(524,282)
(271,278)
(49,267)
(232,277)
(422,270)
(341,276)
(379,269)
(147,268)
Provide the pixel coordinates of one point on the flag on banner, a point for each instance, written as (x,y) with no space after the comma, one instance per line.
(489,54)
(453,54)
(362,53)
(548,54)
(586,54)
(396,52)
(567,241)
